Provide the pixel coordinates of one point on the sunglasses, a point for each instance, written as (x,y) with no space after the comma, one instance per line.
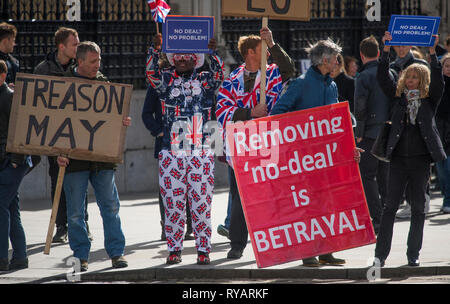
(186,57)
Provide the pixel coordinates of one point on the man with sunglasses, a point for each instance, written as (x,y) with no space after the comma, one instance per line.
(186,161)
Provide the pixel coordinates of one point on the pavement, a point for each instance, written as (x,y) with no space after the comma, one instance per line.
(146,254)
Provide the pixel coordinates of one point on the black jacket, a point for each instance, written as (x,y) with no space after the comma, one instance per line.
(51,66)
(6,96)
(13,67)
(346,89)
(443,116)
(152,117)
(371,104)
(425,120)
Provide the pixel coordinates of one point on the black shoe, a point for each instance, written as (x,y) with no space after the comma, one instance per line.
(60,235)
(234,253)
(4,265)
(329,259)
(18,264)
(119,262)
(311,262)
(413,262)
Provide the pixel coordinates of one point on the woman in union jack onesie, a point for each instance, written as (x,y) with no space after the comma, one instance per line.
(186,162)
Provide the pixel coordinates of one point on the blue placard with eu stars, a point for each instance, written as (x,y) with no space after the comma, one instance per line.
(187,34)
(413,30)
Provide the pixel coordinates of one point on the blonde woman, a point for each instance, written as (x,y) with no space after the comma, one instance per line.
(413,144)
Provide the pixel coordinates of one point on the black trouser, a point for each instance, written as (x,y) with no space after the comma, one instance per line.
(61,216)
(414,171)
(238,228)
(374,175)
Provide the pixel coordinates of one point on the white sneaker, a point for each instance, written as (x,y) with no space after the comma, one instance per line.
(404,213)
(446,209)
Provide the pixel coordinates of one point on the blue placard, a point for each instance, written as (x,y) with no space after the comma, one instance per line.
(187,34)
(413,30)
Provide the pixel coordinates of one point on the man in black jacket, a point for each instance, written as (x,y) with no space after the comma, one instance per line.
(8,34)
(13,168)
(371,111)
(56,63)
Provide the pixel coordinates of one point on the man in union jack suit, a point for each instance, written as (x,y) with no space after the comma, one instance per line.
(238,100)
(186,161)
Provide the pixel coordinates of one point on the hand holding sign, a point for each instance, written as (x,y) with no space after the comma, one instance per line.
(387,37)
(436,42)
(266,35)
(157,41)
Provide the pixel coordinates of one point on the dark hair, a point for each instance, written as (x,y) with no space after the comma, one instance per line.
(3,67)
(369,47)
(7,30)
(62,34)
(447,41)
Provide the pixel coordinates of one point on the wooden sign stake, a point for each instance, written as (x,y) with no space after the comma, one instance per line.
(51,225)
(262,97)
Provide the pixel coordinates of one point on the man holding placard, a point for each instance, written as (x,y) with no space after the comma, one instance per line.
(313,89)
(238,100)
(186,161)
(101,176)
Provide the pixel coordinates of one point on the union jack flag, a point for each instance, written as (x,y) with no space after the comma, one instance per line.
(175,173)
(169,202)
(211,180)
(203,241)
(159,9)
(200,227)
(201,208)
(161,172)
(178,191)
(208,232)
(194,217)
(180,205)
(208,199)
(195,177)
(195,196)
(208,214)
(178,235)
(206,168)
(203,189)
(194,130)
(168,229)
(163,192)
(181,223)
(196,162)
(232,95)
(180,164)
(175,217)
(166,162)
(167,182)
(170,242)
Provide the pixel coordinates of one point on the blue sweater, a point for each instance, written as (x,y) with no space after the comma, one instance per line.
(307,91)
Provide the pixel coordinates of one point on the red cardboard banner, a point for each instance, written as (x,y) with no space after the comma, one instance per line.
(299,184)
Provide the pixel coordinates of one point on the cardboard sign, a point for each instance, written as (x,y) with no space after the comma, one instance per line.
(187,34)
(274,9)
(69,116)
(299,184)
(413,30)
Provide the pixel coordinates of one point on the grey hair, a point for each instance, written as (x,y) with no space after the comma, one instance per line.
(85,47)
(322,49)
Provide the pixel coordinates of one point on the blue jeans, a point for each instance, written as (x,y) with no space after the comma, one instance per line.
(10,223)
(443,171)
(75,186)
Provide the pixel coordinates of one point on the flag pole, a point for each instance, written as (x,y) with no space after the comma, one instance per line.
(262,96)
